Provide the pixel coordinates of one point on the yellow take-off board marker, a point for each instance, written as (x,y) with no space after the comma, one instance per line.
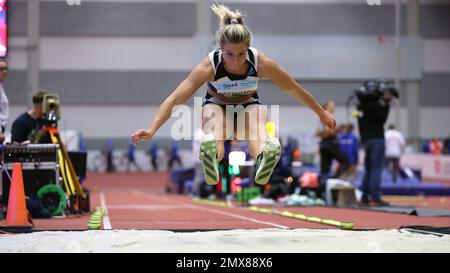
(314,219)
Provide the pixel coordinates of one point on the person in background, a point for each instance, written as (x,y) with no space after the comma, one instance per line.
(374,108)
(131,156)
(174,155)
(329,151)
(435,146)
(349,145)
(426,146)
(153,153)
(108,152)
(225,162)
(395,146)
(4,103)
(27,126)
(446,148)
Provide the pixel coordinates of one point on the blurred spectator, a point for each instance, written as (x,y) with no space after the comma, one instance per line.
(284,166)
(174,155)
(446,148)
(436,146)
(426,146)
(395,146)
(329,150)
(131,156)
(349,145)
(108,152)
(228,146)
(374,107)
(4,103)
(153,153)
(27,127)
(82,147)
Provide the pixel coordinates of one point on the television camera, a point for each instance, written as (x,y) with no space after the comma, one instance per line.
(51,109)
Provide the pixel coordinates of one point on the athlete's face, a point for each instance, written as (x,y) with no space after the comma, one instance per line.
(234,55)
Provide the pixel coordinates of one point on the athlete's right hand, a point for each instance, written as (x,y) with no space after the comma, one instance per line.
(328,119)
(140,135)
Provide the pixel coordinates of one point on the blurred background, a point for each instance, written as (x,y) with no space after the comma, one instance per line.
(112,63)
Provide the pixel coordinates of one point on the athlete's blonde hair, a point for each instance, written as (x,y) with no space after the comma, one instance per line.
(232,28)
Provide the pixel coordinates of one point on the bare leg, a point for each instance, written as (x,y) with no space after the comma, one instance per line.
(255,130)
(214,123)
(212,146)
(265,151)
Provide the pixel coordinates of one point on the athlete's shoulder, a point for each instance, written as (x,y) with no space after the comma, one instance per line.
(265,64)
(206,69)
(253,50)
(262,58)
(214,58)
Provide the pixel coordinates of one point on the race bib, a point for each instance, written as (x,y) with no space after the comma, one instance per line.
(237,88)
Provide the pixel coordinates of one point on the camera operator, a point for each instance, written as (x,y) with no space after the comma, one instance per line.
(374,99)
(26,128)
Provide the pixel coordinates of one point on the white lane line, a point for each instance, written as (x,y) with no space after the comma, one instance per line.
(240,217)
(106,221)
(149,195)
(147,207)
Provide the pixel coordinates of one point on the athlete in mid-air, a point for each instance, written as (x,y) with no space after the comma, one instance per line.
(232,72)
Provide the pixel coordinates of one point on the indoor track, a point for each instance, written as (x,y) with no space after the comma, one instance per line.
(139,201)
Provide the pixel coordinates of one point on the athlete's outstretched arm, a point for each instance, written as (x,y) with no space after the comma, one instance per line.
(199,75)
(267,68)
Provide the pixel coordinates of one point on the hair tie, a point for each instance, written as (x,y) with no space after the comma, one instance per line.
(234,21)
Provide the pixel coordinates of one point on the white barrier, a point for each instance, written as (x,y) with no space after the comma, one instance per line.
(436,167)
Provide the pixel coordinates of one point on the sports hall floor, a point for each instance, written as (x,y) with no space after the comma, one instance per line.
(139,201)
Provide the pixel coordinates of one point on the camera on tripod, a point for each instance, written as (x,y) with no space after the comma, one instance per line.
(50,109)
(374,89)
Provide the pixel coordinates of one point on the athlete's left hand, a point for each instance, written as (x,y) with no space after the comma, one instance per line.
(141,134)
(327,119)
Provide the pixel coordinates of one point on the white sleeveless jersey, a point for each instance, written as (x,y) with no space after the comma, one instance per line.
(230,85)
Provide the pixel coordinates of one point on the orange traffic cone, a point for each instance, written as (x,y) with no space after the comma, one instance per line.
(17,214)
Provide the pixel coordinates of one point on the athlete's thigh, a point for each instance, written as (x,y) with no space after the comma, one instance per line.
(255,123)
(214,120)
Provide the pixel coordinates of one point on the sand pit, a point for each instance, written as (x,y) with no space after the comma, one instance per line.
(230,241)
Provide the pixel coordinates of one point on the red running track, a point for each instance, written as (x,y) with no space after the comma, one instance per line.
(139,201)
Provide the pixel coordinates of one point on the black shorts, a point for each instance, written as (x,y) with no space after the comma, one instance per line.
(210,99)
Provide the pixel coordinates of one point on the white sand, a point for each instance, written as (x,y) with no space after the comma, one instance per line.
(261,240)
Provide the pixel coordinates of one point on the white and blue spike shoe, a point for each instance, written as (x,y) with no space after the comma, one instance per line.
(208,157)
(267,160)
